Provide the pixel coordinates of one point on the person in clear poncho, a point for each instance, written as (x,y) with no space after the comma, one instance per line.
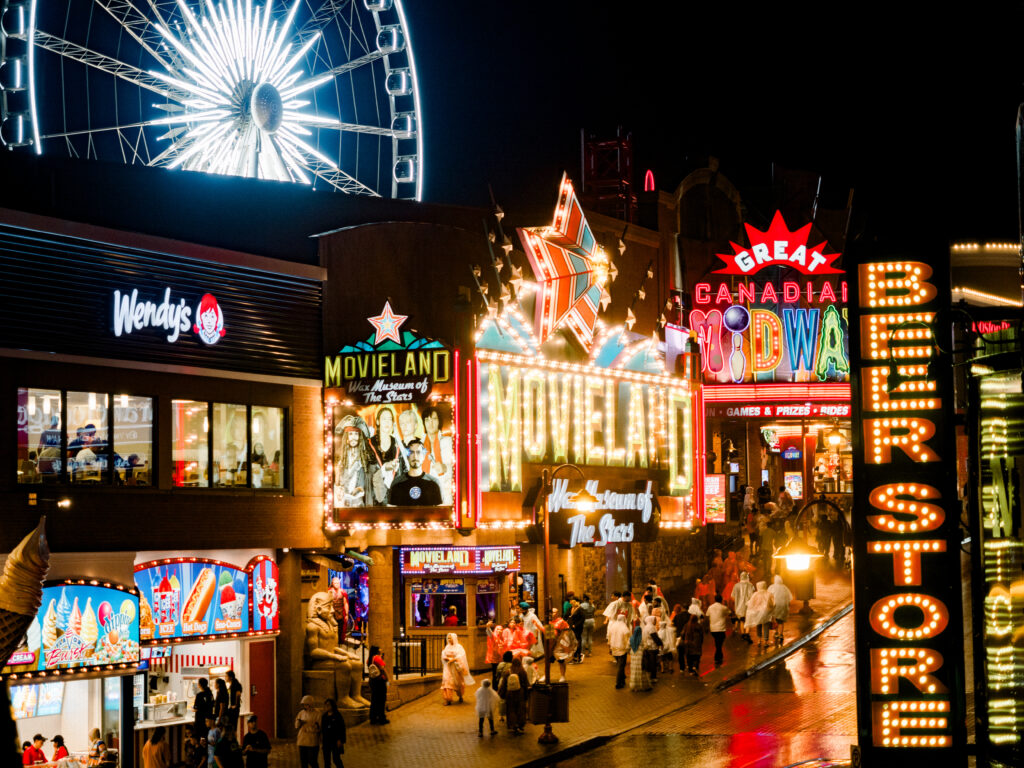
(454,670)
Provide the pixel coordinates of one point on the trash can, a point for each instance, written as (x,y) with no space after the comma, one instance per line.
(801,584)
(549,700)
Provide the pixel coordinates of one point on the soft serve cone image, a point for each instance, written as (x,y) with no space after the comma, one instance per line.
(75,622)
(63,611)
(34,635)
(50,626)
(90,629)
(21,587)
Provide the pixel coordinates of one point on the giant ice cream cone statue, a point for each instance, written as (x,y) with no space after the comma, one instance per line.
(21,588)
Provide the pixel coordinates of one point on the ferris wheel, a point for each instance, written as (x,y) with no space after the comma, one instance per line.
(318,92)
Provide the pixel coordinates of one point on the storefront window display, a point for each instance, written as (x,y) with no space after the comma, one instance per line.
(133,439)
(439,602)
(354,584)
(230,445)
(267,458)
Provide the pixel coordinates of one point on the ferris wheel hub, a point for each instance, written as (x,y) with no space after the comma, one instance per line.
(266,107)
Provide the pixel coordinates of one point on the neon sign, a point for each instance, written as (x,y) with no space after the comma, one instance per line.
(624,516)
(778,246)
(540,412)
(773,331)
(130,315)
(468,560)
(906,538)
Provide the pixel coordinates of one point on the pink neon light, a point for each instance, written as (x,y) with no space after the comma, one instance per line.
(649,181)
(750,393)
(456,507)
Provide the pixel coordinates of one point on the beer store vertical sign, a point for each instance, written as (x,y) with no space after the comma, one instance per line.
(907,600)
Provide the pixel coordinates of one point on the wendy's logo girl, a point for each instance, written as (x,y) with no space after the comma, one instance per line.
(209,320)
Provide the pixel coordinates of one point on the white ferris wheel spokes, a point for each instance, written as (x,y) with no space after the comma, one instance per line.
(319,92)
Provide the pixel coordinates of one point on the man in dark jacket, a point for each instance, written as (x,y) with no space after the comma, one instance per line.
(332,730)
(576,619)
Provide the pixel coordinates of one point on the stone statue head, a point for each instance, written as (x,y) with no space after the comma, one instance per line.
(321,606)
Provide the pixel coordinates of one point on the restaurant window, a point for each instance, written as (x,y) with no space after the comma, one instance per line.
(133,440)
(267,447)
(227,445)
(88,437)
(39,435)
(66,436)
(190,447)
(230,445)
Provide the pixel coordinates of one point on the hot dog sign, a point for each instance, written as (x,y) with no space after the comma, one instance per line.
(191,597)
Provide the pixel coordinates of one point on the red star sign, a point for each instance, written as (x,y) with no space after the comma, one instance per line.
(387,324)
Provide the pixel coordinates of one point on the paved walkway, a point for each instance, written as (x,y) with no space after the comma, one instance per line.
(425,733)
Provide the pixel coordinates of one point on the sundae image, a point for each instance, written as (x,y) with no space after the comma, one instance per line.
(230,603)
(146,624)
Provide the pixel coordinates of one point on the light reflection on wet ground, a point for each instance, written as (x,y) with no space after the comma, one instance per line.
(799,709)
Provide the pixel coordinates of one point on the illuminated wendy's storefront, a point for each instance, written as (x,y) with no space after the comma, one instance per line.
(438,427)
(771,326)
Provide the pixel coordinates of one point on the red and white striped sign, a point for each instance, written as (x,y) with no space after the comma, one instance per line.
(180,661)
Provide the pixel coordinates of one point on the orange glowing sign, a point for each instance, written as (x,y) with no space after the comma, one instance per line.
(906,537)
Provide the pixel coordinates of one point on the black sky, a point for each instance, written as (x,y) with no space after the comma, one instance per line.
(913,107)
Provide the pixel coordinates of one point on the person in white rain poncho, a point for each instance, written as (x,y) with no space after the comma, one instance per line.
(695,608)
(781,597)
(618,644)
(740,595)
(759,613)
(454,670)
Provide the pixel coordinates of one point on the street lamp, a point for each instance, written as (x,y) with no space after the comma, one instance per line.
(584,501)
(798,556)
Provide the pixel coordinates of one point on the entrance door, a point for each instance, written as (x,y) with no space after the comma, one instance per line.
(261,683)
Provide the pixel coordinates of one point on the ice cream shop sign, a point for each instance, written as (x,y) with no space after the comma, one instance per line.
(81,627)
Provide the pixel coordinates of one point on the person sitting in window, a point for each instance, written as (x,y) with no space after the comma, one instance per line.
(232,468)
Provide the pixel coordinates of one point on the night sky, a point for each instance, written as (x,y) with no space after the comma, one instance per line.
(914,108)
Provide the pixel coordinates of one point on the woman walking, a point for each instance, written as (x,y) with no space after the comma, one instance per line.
(618,645)
(455,670)
(639,680)
(307,722)
(693,644)
(378,674)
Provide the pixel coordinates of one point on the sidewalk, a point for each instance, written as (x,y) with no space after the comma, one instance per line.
(425,733)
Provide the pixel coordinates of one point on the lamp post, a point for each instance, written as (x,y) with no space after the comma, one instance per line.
(583,501)
(798,556)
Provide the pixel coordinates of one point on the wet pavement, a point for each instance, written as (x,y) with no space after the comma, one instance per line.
(731,707)
(798,709)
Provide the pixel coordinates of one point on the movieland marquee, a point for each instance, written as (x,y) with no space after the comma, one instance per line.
(907,590)
(535,411)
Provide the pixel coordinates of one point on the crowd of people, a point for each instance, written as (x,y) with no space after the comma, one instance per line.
(769,524)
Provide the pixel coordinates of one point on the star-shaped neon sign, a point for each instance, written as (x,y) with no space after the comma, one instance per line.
(387,324)
(571,268)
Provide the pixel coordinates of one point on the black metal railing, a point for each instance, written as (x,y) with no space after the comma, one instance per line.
(417,655)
